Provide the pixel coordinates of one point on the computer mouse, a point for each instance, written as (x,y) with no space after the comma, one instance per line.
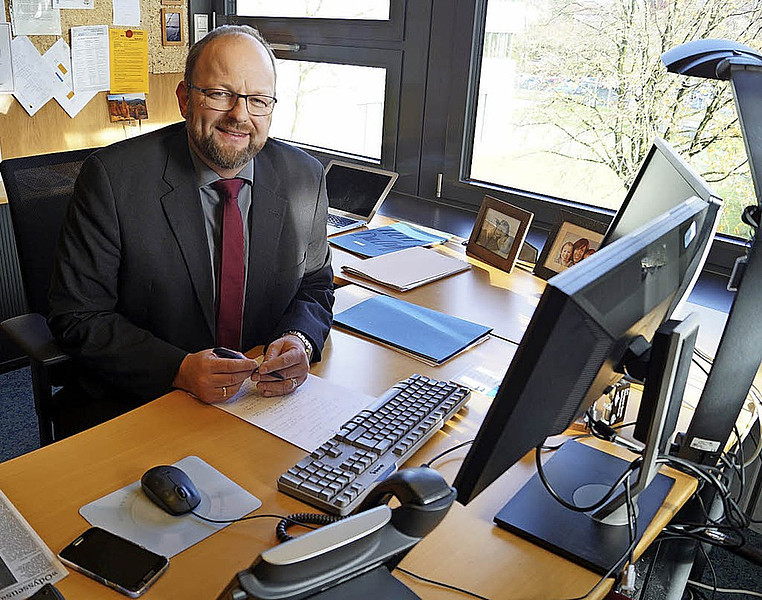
(170,489)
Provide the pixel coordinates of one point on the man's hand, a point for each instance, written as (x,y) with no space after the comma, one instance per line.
(210,378)
(287,356)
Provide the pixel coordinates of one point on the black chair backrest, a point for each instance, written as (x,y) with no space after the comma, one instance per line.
(39,189)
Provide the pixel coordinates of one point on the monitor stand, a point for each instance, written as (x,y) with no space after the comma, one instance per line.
(533,513)
(582,475)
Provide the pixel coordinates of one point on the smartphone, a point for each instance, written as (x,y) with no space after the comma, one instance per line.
(114,561)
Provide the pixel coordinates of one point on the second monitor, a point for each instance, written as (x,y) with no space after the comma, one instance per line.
(572,350)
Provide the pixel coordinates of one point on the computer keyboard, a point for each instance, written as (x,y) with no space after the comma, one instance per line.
(337,476)
(339,221)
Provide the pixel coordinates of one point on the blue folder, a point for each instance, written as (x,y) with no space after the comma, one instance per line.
(429,335)
(382,240)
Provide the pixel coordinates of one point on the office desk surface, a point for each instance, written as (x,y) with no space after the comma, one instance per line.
(483,294)
(49,485)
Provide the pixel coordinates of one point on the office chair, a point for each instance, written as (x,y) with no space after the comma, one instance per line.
(39,189)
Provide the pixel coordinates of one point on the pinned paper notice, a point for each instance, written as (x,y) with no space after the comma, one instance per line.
(129,60)
(35,80)
(59,58)
(35,17)
(89,58)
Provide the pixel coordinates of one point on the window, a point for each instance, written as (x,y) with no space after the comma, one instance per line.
(570,96)
(331,106)
(324,9)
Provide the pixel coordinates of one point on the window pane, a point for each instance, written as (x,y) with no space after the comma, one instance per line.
(572,94)
(332,106)
(377,10)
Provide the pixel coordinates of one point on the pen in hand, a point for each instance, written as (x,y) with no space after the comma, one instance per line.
(221,352)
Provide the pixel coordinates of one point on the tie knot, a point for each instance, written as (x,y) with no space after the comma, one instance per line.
(228,188)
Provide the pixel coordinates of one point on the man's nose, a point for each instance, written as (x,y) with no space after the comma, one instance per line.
(240,111)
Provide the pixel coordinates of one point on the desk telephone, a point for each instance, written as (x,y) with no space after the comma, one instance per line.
(353,557)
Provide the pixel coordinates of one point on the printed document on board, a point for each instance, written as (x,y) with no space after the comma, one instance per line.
(35,17)
(89,58)
(26,563)
(59,59)
(6,64)
(36,83)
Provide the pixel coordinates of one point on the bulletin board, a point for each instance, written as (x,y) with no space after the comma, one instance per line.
(52,130)
(161,59)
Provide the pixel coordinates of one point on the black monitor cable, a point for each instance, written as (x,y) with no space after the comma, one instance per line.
(446,452)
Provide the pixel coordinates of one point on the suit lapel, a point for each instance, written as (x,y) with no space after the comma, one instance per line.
(182,207)
(265,224)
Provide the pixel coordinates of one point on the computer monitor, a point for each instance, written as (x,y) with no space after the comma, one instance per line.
(573,349)
(663,181)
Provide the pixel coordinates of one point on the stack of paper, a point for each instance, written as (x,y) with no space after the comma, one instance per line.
(383,240)
(407,269)
(430,336)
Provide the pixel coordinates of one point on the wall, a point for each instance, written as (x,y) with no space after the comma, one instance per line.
(52,130)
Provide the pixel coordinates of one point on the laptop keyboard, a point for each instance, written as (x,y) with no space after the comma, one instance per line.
(337,476)
(340,221)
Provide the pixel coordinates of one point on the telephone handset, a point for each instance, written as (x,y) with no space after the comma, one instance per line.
(355,555)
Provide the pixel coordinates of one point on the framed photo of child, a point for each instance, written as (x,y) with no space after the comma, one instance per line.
(573,239)
(498,233)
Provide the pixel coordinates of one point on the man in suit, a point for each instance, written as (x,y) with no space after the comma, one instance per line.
(141,290)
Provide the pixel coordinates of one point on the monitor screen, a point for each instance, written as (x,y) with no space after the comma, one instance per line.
(664,180)
(585,321)
(357,190)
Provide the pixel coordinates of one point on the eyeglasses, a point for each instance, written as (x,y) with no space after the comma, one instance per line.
(258,105)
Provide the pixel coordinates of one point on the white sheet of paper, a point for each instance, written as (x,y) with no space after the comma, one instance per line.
(6,63)
(35,80)
(90,58)
(201,23)
(128,512)
(59,59)
(80,4)
(127,12)
(306,417)
(35,17)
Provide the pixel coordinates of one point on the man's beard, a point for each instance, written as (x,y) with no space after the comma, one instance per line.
(225,158)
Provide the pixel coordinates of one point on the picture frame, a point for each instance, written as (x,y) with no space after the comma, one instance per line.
(572,236)
(172,27)
(499,231)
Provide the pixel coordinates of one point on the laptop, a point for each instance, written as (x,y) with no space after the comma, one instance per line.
(355,193)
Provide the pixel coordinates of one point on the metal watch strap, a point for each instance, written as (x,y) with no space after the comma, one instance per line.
(303,339)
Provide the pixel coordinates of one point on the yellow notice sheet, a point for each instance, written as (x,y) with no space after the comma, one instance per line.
(128,50)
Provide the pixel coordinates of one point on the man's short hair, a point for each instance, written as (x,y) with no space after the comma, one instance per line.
(243,30)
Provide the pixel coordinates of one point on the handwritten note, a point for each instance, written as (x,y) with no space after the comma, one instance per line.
(306,417)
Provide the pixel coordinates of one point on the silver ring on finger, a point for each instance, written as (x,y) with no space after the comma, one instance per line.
(224,392)
(293,383)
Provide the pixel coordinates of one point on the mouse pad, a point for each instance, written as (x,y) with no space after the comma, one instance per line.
(128,512)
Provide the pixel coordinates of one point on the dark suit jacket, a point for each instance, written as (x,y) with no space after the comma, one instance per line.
(131,292)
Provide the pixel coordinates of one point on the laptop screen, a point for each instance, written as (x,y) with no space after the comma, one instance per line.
(355,189)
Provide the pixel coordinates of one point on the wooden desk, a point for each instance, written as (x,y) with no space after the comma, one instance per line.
(49,485)
(483,294)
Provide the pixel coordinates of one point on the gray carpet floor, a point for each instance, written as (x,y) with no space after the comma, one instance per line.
(19,434)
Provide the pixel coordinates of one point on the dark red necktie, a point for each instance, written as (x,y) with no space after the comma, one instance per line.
(230,280)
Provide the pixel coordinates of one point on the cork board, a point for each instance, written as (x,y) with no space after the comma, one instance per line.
(161,59)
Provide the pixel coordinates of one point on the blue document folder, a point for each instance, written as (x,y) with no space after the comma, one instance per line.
(426,334)
(382,240)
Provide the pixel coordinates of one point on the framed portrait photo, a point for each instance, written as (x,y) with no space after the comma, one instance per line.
(573,239)
(172,27)
(499,231)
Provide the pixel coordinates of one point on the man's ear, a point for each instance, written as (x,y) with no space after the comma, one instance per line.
(182,98)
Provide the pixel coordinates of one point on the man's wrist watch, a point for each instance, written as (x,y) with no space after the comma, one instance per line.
(303,339)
